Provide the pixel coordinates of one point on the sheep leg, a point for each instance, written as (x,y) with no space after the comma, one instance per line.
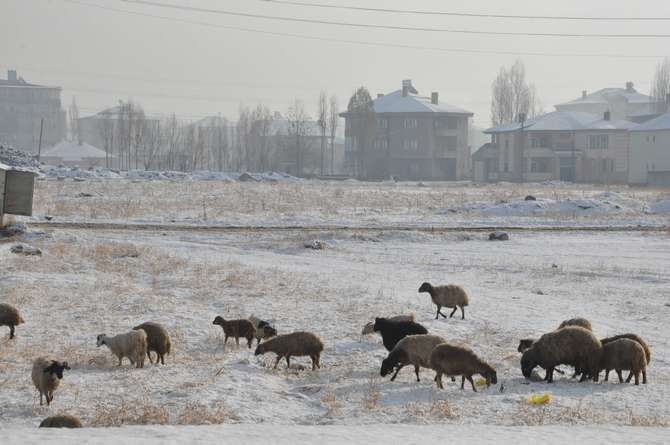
(315,362)
(550,375)
(237,341)
(462,312)
(607,375)
(288,362)
(618,371)
(644,376)
(637,377)
(318,361)
(11,331)
(454,311)
(149,355)
(279,357)
(250,341)
(162,359)
(462,382)
(397,370)
(630,376)
(471,382)
(416,370)
(41,403)
(438,380)
(120,360)
(438,313)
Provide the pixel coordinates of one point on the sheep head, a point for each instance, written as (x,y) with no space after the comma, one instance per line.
(260,349)
(528,362)
(56,368)
(524,344)
(387,367)
(100,340)
(219,320)
(426,287)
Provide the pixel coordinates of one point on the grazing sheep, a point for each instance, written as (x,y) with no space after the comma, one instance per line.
(453,360)
(369,327)
(581,322)
(158,340)
(414,350)
(634,337)
(264,329)
(450,296)
(10,316)
(61,421)
(236,328)
(132,345)
(394,331)
(572,345)
(46,375)
(624,354)
(297,344)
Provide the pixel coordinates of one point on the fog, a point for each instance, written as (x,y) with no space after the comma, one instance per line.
(101,56)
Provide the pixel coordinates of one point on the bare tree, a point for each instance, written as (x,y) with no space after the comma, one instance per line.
(139,127)
(333,122)
(512,95)
(173,135)
(105,126)
(152,142)
(298,129)
(322,122)
(260,127)
(243,129)
(73,116)
(363,120)
(660,87)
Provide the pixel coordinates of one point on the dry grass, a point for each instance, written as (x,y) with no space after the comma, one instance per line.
(372,395)
(129,412)
(195,413)
(437,409)
(333,405)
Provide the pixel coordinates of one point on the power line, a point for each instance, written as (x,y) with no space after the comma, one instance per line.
(466,14)
(390,27)
(369,43)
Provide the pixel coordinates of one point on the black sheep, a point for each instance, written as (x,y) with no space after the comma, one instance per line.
(394,331)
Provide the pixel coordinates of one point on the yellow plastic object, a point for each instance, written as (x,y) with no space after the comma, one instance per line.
(480,382)
(539,399)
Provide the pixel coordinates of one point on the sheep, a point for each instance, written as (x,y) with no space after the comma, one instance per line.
(394,331)
(296,344)
(61,421)
(647,352)
(236,328)
(369,327)
(450,296)
(413,349)
(453,360)
(132,344)
(572,345)
(46,375)
(263,329)
(582,322)
(10,316)
(624,354)
(158,340)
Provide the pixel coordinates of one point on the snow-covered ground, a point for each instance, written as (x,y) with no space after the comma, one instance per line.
(93,281)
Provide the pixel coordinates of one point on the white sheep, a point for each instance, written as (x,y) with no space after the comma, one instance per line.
(46,375)
(132,345)
(449,295)
(411,350)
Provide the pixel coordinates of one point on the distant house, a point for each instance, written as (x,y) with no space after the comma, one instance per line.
(24,107)
(622,103)
(417,138)
(650,152)
(562,145)
(71,153)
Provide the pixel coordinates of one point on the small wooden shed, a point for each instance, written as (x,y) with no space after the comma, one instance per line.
(17,185)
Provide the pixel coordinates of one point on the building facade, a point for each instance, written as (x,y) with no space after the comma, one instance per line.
(650,153)
(24,108)
(415,138)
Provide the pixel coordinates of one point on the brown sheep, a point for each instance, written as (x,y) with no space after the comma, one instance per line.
(624,354)
(10,316)
(414,350)
(298,344)
(46,375)
(581,322)
(158,340)
(572,345)
(458,360)
(634,337)
(61,421)
(449,295)
(236,328)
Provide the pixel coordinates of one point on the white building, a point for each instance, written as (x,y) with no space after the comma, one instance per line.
(72,154)
(650,152)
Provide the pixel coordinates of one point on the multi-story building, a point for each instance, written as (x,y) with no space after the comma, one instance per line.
(24,109)
(650,152)
(415,138)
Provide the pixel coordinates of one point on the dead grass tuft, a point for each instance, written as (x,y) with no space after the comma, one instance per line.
(132,412)
(372,395)
(195,413)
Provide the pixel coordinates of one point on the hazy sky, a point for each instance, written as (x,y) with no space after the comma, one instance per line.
(100,56)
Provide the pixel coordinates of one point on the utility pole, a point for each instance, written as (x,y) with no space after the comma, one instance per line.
(522,120)
(39,145)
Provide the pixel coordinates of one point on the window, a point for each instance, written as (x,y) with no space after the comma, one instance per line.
(540,165)
(540,141)
(410,145)
(410,123)
(382,123)
(449,143)
(599,142)
(381,144)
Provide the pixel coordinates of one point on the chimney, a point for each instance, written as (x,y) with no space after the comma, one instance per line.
(11,75)
(630,87)
(434,98)
(584,94)
(408,88)
(607,116)
(379,95)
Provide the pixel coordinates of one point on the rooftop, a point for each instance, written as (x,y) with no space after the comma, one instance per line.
(73,151)
(606,95)
(660,123)
(564,121)
(14,81)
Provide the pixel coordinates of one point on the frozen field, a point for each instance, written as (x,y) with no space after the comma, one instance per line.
(93,281)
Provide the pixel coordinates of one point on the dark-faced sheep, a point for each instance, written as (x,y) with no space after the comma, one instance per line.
(236,329)
(46,375)
(296,344)
(369,327)
(620,353)
(579,321)
(411,350)
(61,421)
(573,345)
(453,361)
(158,340)
(10,316)
(449,296)
(264,329)
(394,331)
